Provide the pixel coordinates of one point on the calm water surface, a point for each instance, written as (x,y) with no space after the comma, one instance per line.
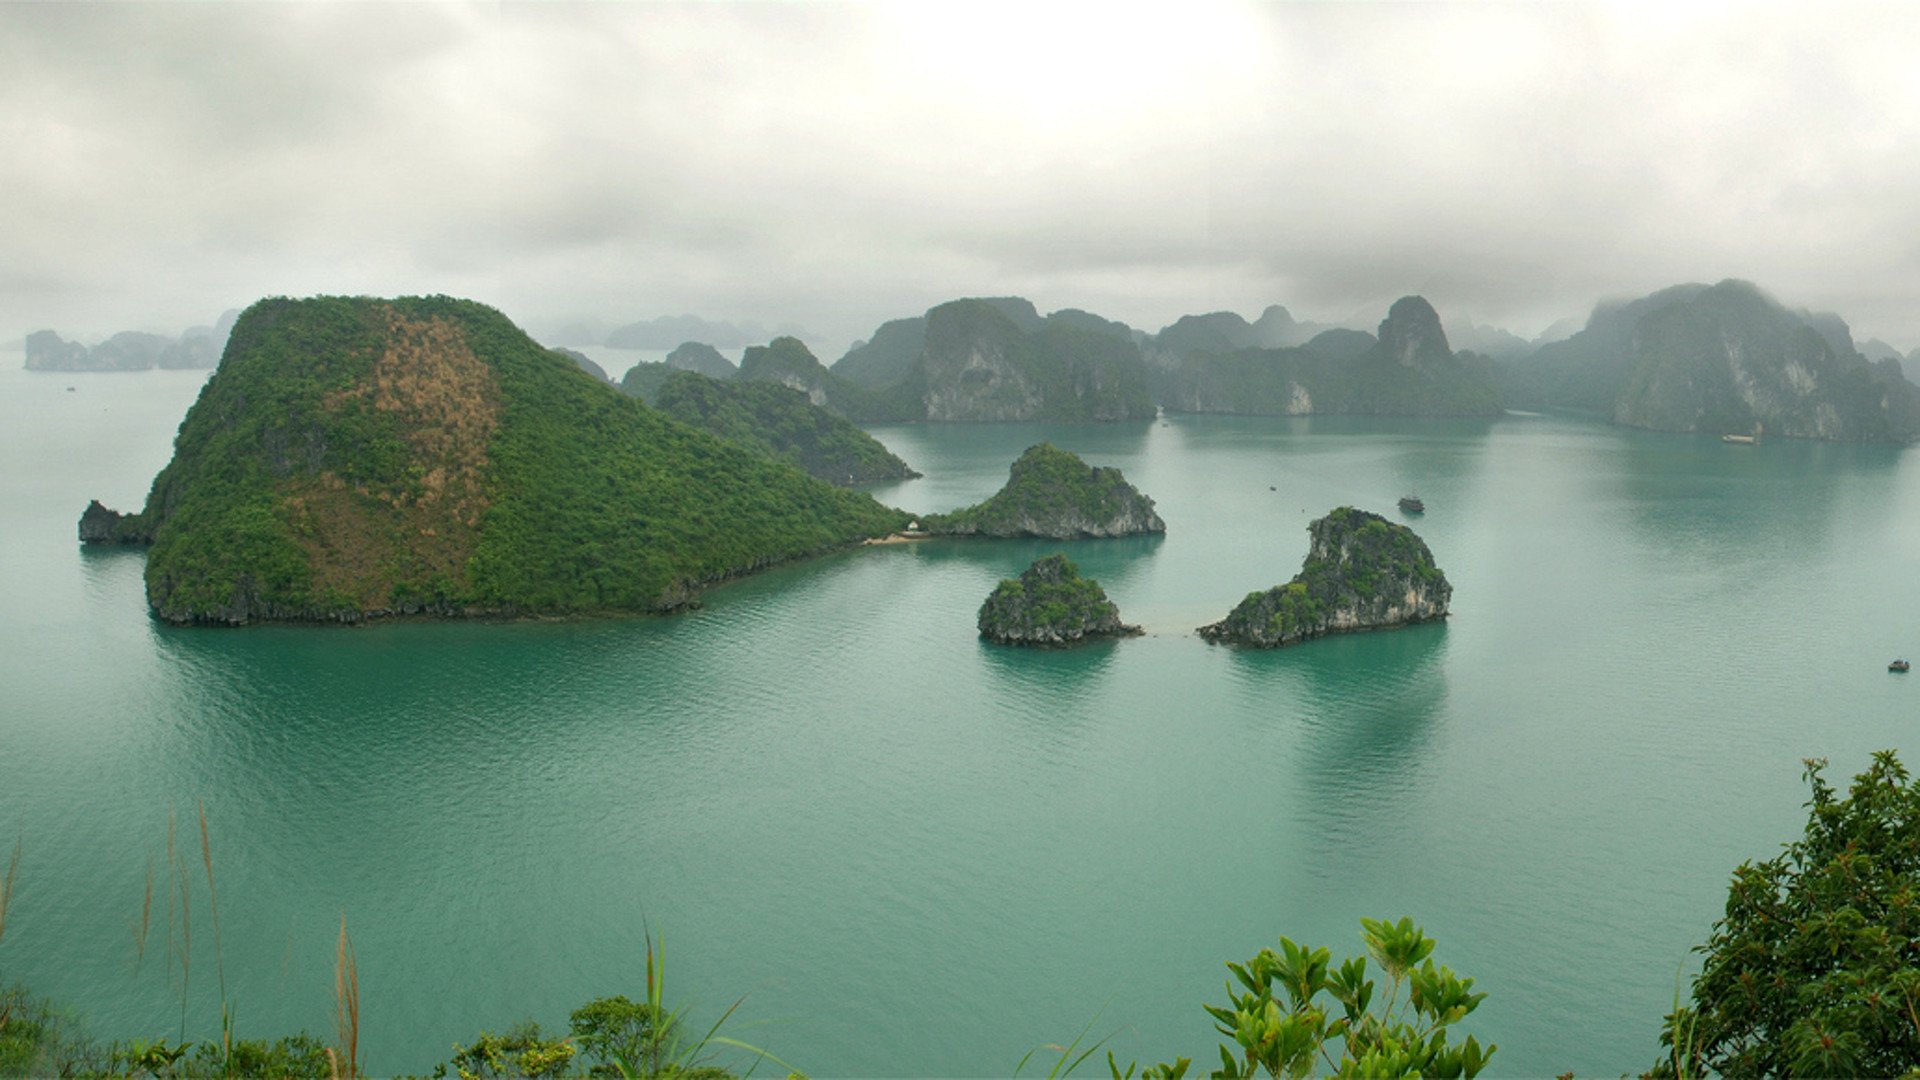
(917,854)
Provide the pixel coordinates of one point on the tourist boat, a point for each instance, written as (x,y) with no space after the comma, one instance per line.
(1412,504)
(1898,665)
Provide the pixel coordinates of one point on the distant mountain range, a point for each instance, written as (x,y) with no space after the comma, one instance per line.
(131,350)
(1720,359)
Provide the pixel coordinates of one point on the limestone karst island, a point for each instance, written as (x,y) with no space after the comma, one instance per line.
(354,458)
(1050,604)
(1362,572)
(1053,495)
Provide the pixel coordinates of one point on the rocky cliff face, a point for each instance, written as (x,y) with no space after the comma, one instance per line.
(1730,359)
(979,364)
(1408,370)
(996,359)
(1587,369)
(99,525)
(48,351)
(788,361)
(1362,572)
(1411,333)
(1051,493)
(1050,604)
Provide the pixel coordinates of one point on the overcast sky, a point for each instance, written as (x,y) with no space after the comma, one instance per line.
(835,165)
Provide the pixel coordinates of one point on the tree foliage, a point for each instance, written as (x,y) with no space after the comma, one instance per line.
(1815,969)
(781,423)
(355,456)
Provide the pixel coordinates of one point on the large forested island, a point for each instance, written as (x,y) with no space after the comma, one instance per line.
(1362,572)
(355,457)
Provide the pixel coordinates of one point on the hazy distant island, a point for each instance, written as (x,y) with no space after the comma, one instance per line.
(129,350)
(782,423)
(1720,359)
(1407,370)
(354,458)
(1052,494)
(994,360)
(1362,572)
(1050,604)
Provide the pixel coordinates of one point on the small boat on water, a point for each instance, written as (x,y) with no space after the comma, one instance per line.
(1412,504)
(1898,665)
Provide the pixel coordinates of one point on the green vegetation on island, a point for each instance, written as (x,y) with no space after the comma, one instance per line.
(355,457)
(782,423)
(1409,370)
(644,380)
(1362,572)
(1051,493)
(1050,604)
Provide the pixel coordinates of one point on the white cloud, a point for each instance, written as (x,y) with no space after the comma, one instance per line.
(839,164)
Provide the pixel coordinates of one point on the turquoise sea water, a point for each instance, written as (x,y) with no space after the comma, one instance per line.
(916,854)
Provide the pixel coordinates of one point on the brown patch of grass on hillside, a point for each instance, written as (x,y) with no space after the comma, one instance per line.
(364,539)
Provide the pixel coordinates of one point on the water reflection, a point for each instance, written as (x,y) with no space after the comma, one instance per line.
(1356,721)
(1115,563)
(1361,705)
(1713,502)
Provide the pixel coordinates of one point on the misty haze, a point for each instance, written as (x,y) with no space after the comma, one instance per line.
(1042,539)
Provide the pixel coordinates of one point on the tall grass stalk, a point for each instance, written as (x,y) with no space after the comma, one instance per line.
(172,899)
(6,900)
(6,887)
(1068,1062)
(180,882)
(665,1052)
(345,1059)
(213,901)
(1686,1055)
(146,920)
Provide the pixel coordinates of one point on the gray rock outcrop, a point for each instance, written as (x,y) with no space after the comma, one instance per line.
(1362,572)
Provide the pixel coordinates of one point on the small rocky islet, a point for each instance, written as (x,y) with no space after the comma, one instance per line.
(1051,605)
(1053,495)
(1362,572)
